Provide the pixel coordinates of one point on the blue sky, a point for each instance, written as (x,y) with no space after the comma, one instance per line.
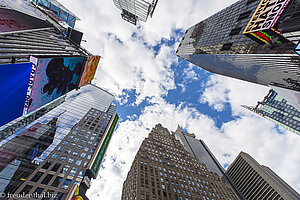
(152,85)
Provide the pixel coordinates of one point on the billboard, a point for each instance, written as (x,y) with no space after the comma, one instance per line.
(11,20)
(13,85)
(97,160)
(266,15)
(297,49)
(53,78)
(89,69)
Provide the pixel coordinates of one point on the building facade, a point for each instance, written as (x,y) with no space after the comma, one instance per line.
(198,149)
(134,10)
(232,43)
(163,169)
(278,110)
(256,181)
(58,154)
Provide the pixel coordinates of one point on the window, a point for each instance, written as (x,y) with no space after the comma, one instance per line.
(36,177)
(244,15)
(47,179)
(56,167)
(54,156)
(47,165)
(38,190)
(78,162)
(63,157)
(71,160)
(75,153)
(235,31)
(226,46)
(65,142)
(82,155)
(57,181)
(65,169)
(66,184)
(60,149)
(26,189)
(73,171)
(81,173)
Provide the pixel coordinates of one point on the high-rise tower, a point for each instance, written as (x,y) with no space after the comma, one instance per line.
(278,110)
(251,40)
(256,181)
(59,153)
(134,10)
(163,169)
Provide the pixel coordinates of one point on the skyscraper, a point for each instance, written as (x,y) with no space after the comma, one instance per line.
(256,181)
(198,149)
(134,10)
(249,40)
(278,110)
(163,169)
(59,153)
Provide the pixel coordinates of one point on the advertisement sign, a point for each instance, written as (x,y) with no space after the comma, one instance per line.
(266,15)
(53,78)
(270,36)
(89,69)
(13,85)
(97,160)
(11,20)
(297,49)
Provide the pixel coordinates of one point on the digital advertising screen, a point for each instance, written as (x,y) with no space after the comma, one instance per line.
(89,69)
(14,80)
(53,78)
(266,15)
(11,20)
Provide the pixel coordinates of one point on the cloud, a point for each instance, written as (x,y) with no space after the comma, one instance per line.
(131,68)
(220,90)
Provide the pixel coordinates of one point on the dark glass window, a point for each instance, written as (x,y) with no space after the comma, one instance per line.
(38,190)
(57,181)
(244,15)
(56,167)
(26,189)
(47,179)
(235,31)
(226,46)
(36,177)
(47,165)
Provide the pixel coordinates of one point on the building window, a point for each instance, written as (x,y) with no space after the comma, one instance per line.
(244,15)
(47,179)
(38,190)
(226,46)
(235,31)
(65,169)
(56,167)
(66,184)
(26,189)
(47,165)
(57,181)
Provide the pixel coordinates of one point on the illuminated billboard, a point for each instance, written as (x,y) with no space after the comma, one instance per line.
(98,157)
(265,15)
(13,85)
(53,78)
(89,69)
(11,20)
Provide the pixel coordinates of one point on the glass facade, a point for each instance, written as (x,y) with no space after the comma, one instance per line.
(218,45)
(139,8)
(276,109)
(52,153)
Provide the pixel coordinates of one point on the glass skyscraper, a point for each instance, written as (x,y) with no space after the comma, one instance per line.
(220,44)
(60,152)
(134,10)
(276,109)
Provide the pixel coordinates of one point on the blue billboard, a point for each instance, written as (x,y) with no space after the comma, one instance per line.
(13,86)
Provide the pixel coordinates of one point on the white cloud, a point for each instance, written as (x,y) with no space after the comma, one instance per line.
(220,90)
(128,65)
